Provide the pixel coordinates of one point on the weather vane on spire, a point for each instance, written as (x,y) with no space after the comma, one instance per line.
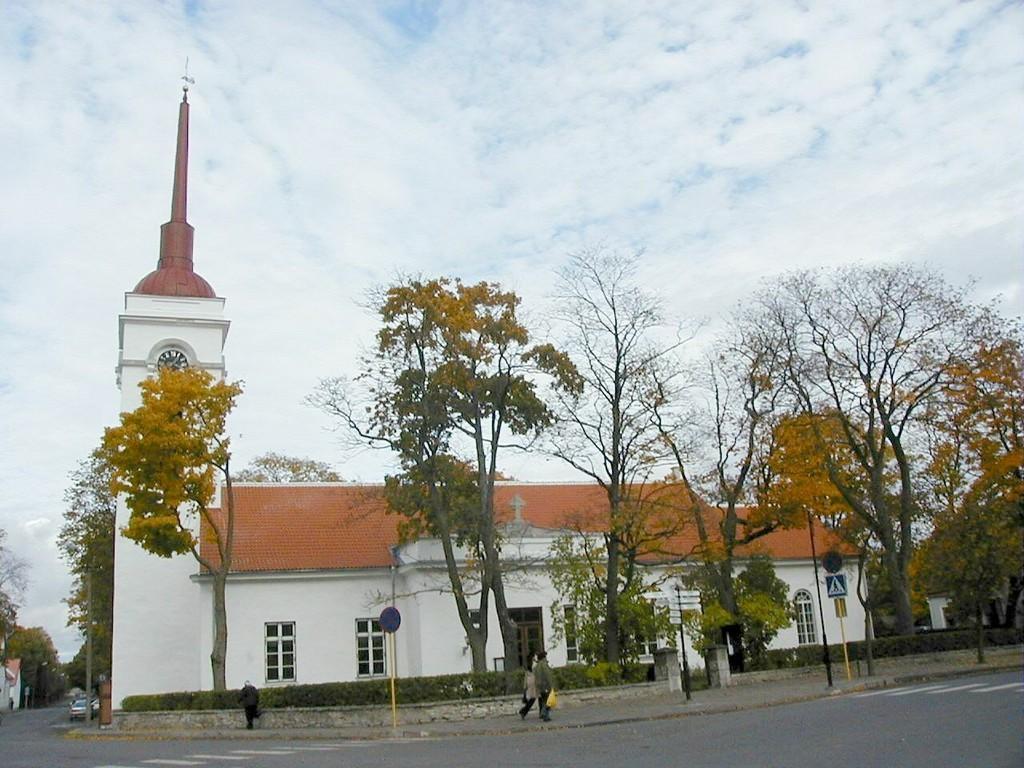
(188,80)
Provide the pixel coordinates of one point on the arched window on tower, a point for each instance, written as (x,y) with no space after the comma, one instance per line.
(805,631)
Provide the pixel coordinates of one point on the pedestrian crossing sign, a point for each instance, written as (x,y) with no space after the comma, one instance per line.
(835,584)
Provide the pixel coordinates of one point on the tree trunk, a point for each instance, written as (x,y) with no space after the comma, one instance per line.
(220,630)
(865,601)
(478,648)
(1012,596)
(900,586)
(726,593)
(509,635)
(612,649)
(981,632)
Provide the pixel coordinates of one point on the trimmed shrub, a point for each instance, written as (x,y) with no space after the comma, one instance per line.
(410,690)
(899,645)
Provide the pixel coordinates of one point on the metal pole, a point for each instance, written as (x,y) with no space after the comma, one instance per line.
(394,663)
(821,611)
(88,648)
(682,645)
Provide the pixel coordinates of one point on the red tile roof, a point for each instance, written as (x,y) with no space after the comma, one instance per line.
(290,527)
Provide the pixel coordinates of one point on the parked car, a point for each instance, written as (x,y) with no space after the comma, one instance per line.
(76,710)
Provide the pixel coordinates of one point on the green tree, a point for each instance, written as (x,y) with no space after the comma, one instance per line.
(872,347)
(577,570)
(278,468)
(165,457)
(40,667)
(605,426)
(970,554)
(762,608)
(86,542)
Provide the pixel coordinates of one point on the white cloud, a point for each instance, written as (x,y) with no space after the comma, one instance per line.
(334,147)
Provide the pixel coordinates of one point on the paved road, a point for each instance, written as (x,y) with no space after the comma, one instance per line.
(966,721)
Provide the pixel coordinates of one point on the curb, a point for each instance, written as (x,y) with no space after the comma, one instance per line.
(426,732)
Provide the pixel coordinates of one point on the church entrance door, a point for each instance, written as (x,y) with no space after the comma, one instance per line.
(530,623)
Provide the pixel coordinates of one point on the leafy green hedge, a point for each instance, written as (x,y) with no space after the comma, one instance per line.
(901,645)
(411,690)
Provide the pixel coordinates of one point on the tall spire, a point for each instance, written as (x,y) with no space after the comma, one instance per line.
(176,235)
(174,275)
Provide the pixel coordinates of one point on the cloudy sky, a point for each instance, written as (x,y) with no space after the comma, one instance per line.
(337,144)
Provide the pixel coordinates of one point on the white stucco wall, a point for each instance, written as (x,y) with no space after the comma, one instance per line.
(325,605)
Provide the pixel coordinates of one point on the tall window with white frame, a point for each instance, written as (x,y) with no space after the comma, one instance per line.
(572,653)
(806,634)
(370,654)
(280,645)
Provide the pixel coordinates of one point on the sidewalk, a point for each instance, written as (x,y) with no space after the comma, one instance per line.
(659,706)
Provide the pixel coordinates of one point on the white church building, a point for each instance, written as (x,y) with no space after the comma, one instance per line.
(314,564)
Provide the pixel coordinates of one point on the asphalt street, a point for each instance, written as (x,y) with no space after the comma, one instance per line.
(963,721)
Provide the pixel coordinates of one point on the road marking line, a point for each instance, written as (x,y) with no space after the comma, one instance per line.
(262,751)
(998,688)
(955,688)
(917,690)
(316,749)
(162,761)
(219,757)
(881,692)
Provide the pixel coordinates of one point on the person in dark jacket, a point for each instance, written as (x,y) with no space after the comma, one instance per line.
(544,681)
(250,699)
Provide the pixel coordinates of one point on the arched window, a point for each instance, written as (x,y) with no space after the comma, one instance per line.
(805,632)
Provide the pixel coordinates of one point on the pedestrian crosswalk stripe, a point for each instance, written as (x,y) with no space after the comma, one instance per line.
(916,690)
(998,688)
(878,693)
(956,688)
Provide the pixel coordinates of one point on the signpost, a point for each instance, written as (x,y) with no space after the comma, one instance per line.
(835,586)
(690,601)
(390,620)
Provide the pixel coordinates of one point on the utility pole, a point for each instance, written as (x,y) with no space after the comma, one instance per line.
(821,611)
(88,647)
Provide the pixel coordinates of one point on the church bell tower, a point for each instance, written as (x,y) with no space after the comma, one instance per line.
(172,317)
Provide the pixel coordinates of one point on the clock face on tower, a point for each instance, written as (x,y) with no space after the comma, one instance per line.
(172,358)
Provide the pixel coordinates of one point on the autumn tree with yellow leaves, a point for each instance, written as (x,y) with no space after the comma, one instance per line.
(453,379)
(166,457)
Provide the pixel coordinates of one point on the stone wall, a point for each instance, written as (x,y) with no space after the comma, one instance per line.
(369,717)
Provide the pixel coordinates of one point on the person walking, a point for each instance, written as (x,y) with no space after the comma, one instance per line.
(543,679)
(529,688)
(250,699)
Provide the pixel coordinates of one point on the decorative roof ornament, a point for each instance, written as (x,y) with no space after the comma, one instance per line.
(174,274)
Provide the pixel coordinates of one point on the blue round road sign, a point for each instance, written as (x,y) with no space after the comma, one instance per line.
(390,619)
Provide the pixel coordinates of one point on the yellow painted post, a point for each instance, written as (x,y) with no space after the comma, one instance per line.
(394,663)
(841,613)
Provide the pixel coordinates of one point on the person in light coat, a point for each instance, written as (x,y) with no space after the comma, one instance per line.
(529,688)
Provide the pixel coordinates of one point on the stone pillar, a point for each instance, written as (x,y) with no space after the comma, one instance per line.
(717,659)
(666,667)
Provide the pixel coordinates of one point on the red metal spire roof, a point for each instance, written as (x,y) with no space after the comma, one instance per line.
(174,275)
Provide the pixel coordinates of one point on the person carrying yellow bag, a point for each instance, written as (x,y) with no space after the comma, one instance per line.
(545,685)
